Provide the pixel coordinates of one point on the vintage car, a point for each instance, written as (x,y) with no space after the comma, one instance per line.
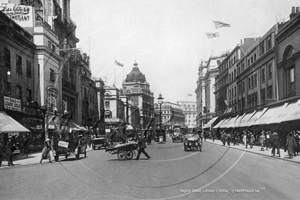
(192,141)
(177,136)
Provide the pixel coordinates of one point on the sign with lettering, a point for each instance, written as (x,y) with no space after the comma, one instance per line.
(63,144)
(12,104)
(22,15)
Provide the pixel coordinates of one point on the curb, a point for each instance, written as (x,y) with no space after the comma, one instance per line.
(279,158)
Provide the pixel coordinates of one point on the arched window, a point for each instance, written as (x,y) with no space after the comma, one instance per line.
(288,52)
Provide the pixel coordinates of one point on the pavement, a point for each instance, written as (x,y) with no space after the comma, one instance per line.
(257,150)
(34,158)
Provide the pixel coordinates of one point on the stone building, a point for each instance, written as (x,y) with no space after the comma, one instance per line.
(137,89)
(189,109)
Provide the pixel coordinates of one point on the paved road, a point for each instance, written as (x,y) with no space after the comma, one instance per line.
(215,173)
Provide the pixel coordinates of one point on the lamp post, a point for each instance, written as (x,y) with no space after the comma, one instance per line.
(160,102)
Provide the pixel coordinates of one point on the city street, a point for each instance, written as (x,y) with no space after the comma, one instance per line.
(217,172)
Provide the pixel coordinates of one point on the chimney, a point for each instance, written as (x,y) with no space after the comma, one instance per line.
(297,10)
(293,14)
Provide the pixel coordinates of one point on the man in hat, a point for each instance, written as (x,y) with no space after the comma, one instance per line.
(141,147)
(275,144)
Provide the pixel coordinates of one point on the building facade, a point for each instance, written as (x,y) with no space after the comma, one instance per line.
(137,89)
(189,109)
(114,108)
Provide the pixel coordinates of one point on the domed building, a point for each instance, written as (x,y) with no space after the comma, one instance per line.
(137,90)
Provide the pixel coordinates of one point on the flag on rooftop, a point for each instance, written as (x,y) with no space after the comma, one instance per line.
(119,64)
(189,94)
(219,24)
(212,35)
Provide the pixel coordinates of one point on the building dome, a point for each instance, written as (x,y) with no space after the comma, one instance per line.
(135,75)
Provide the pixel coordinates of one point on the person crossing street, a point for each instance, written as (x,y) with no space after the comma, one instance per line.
(141,147)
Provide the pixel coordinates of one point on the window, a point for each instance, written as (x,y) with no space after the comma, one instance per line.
(291,86)
(28,69)
(292,74)
(270,92)
(255,80)
(254,57)
(252,81)
(106,104)
(19,92)
(249,85)
(6,55)
(263,96)
(28,95)
(8,89)
(270,71)
(49,44)
(19,64)
(263,75)
(52,75)
(269,43)
(261,49)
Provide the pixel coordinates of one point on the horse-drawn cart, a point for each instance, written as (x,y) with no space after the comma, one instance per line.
(123,150)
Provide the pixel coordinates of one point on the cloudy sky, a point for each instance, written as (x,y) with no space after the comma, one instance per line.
(167,38)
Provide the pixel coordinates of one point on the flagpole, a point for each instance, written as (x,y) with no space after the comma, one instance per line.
(115,75)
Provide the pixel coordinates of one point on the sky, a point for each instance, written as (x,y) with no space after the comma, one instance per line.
(167,38)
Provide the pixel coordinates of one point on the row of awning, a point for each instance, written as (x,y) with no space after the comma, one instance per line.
(274,115)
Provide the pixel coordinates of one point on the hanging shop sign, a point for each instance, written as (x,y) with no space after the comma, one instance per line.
(12,104)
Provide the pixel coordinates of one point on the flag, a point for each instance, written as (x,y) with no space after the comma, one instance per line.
(212,35)
(189,94)
(219,24)
(119,64)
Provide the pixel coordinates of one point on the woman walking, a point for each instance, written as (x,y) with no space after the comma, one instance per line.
(262,140)
(291,144)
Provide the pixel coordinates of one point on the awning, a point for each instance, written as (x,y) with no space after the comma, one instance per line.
(238,121)
(208,125)
(270,114)
(225,123)
(76,127)
(230,123)
(252,121)
(219,124)
(244,120)
(8,124)
(293,112)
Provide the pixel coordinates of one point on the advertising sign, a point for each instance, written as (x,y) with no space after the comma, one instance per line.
(63,144)
(12,104)
(22,15)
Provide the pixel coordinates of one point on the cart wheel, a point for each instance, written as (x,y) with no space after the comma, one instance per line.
(129,155)
(121,155)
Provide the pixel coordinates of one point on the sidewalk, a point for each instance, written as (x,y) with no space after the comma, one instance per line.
(32,159)
(257,150)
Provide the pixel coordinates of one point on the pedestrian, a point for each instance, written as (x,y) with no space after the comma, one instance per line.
(141,147)
(228,139)
(291,144)
(25,147)
(275,144)
(268,140)
(245,139)
(251,140)
(9,152)
(2,153)
(46,151)
(297,138)
(262,139)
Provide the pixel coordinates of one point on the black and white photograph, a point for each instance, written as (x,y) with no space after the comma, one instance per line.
(149,99)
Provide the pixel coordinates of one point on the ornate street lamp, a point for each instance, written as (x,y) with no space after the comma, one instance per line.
(160,102)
